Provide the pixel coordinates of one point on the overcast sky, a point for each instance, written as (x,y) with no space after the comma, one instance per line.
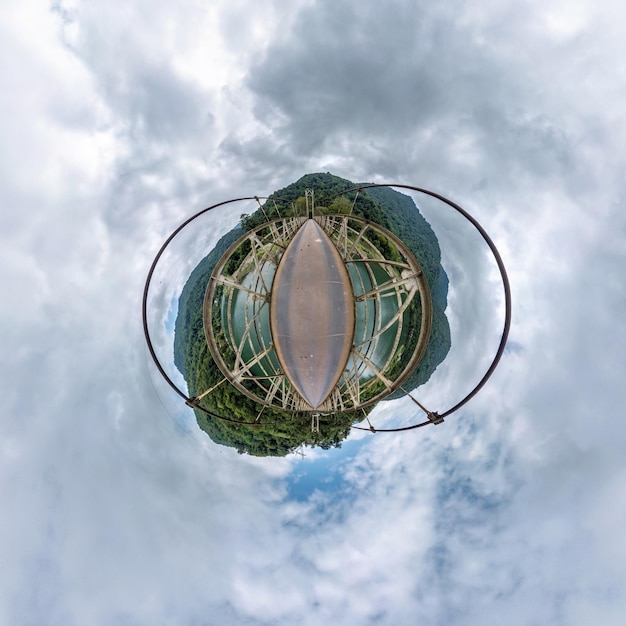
(120,119)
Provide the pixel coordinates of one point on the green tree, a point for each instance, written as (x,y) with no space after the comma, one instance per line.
(282,432)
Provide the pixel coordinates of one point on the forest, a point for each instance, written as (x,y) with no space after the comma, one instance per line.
(260,431)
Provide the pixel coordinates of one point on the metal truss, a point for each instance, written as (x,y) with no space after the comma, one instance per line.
(384,290)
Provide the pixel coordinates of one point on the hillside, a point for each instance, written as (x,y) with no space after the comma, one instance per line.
(282,432)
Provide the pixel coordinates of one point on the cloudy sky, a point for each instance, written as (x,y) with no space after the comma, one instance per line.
(120,119)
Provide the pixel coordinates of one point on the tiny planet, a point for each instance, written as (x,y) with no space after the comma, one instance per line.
(325,301)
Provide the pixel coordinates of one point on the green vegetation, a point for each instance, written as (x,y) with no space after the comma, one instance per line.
(278,432)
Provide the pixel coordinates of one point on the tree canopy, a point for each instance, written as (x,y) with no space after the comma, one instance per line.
(266,431)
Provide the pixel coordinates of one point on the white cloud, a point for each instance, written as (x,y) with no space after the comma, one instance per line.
(118,121)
